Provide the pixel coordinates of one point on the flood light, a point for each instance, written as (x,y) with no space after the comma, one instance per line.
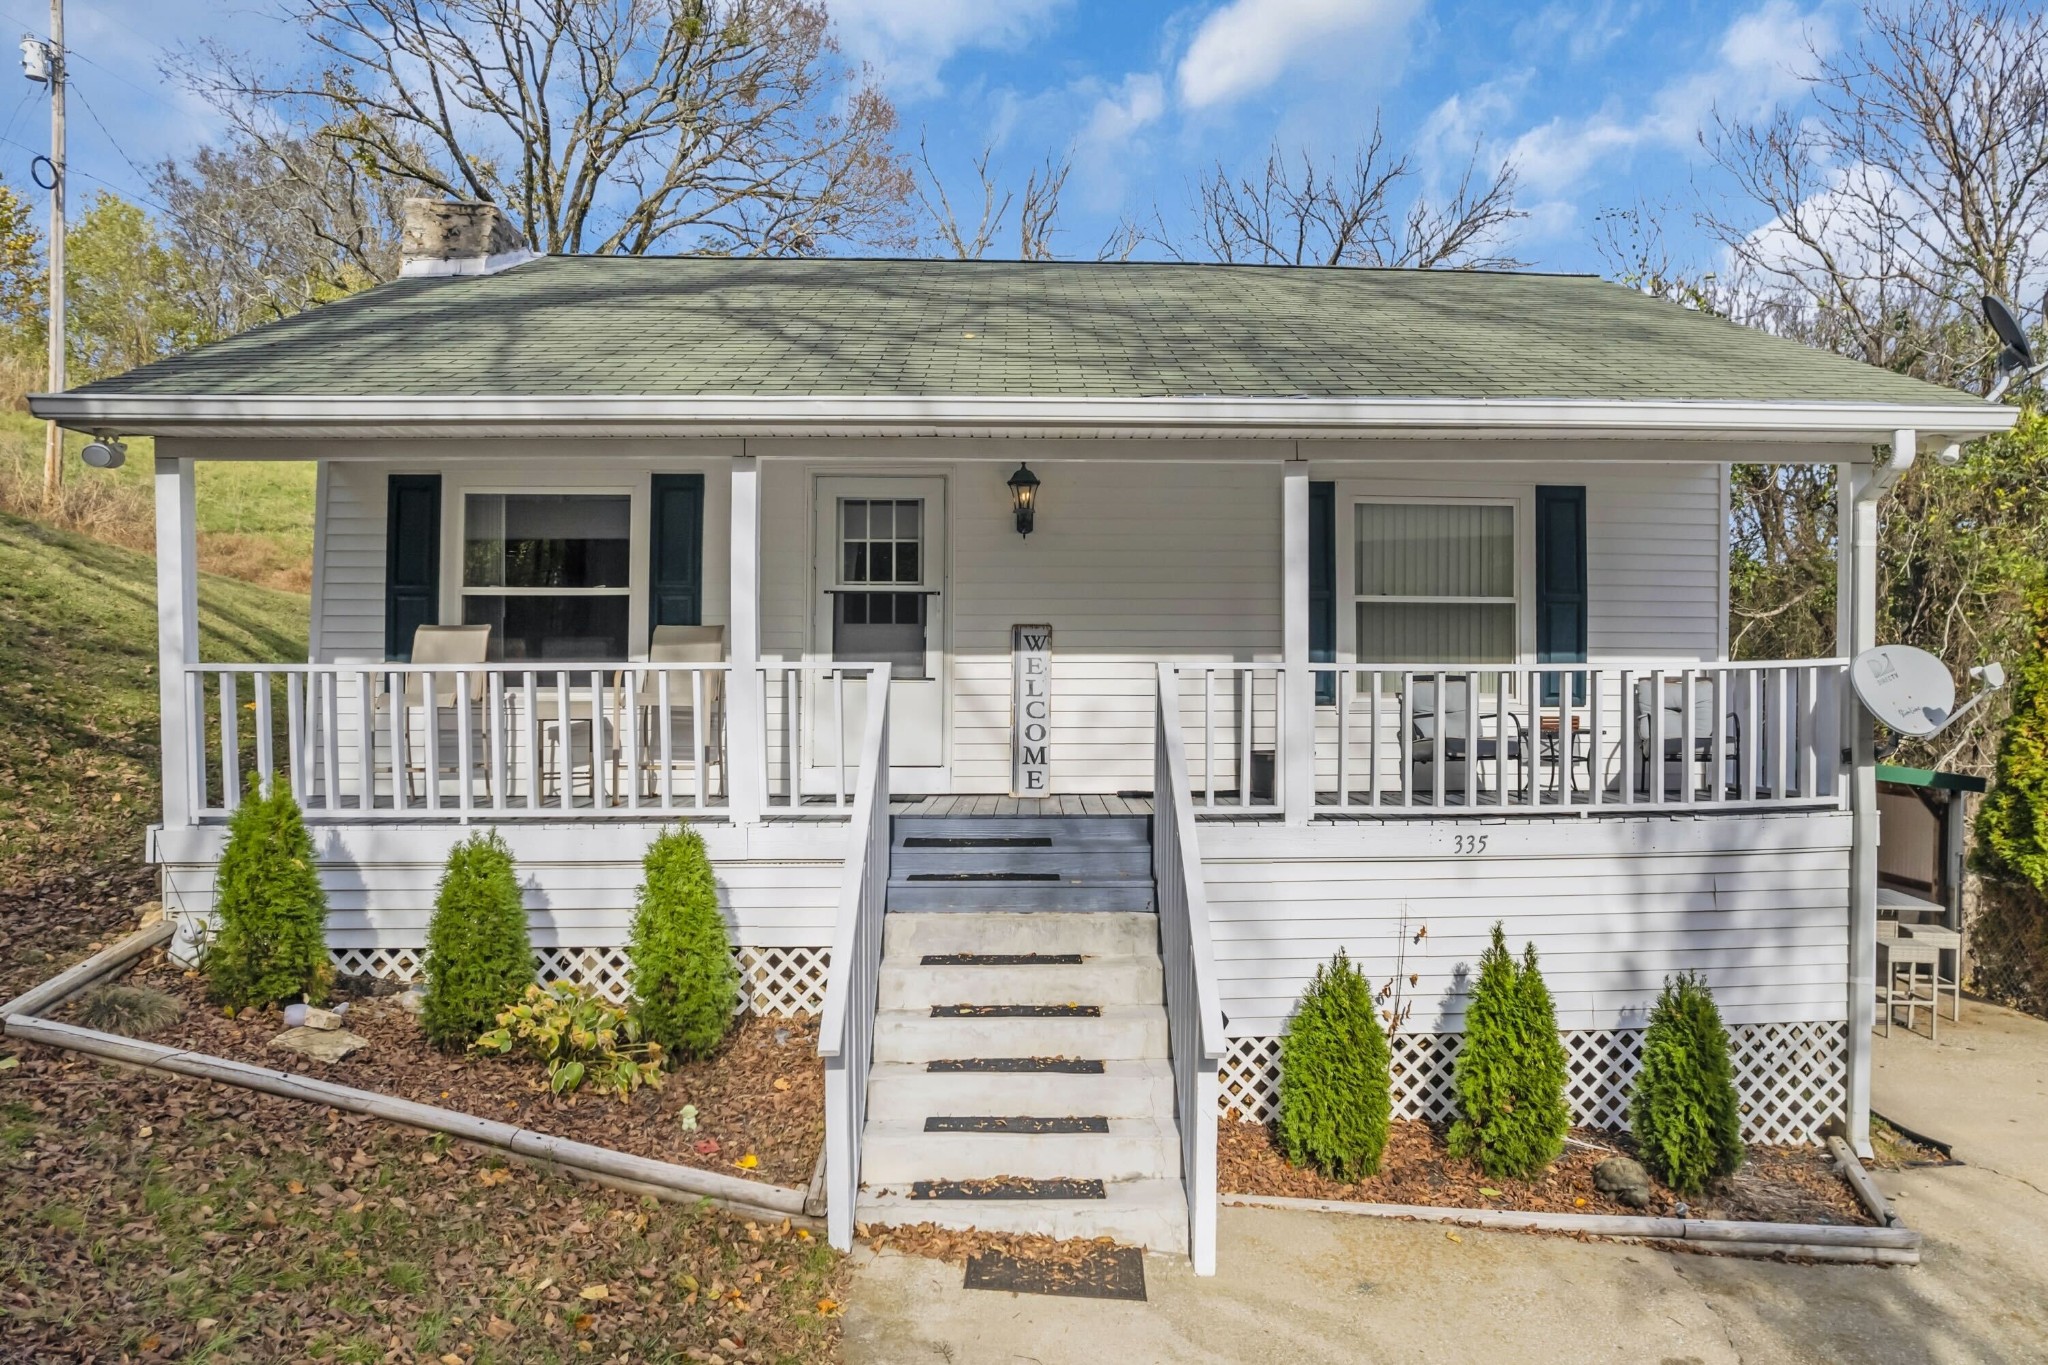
(105,453)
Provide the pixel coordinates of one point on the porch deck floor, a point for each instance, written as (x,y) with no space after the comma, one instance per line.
(1070,803)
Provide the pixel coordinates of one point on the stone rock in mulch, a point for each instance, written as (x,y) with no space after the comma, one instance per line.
(1625,1180)
(413,999)
(322,1045)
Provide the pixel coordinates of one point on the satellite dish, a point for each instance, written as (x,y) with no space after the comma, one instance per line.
(1908,689)
(2019,352)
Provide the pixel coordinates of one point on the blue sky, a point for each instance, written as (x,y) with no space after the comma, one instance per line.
(1600,104)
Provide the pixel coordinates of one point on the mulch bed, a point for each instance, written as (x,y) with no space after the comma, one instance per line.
(1775,1184)
(761,1095)
(51,921)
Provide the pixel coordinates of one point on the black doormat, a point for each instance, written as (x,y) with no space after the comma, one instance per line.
(983,877)
(1016,1011)
(1065,1066)
(1015,1123)
(1102,1273)
(1000,960)
(1009,1187)
(978,841)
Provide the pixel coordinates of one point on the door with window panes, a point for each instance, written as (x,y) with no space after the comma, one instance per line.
(880,571)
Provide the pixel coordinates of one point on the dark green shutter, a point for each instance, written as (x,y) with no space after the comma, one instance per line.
(677,538)
(1561,582)
(1322,586)
(412,560)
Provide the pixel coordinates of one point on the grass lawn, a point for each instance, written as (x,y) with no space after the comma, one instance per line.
(78,688)
(255,517)
(156,1219)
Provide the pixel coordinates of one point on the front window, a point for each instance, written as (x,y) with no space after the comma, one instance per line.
(549,573)
(1434,583)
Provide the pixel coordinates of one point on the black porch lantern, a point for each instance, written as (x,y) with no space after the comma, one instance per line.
(1024,498)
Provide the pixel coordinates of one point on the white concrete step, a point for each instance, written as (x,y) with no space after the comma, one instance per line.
(1127,1088)
(899,1152)
(1098,932)
(908,984)
(1121,1031)
(1147,1213)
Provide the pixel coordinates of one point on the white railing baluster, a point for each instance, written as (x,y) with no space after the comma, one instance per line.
(297,765)
(494,699)
(464,757)
(1342,695)
(230,742)
(1209,738)
(529,722)
(1244,737)
(266,757)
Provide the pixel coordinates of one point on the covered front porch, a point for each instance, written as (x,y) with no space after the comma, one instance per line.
(1368,635)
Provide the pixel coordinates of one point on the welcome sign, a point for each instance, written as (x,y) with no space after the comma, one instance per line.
(1031,711)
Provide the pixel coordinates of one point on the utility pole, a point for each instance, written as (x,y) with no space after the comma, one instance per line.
(43,61)
(53,446)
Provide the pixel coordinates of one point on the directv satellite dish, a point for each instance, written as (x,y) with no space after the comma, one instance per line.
(2016,353)
(1908,689)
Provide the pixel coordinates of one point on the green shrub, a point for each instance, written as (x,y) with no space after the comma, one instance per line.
(1510,1073)
(1687,1121)
(2012,825)
(1335,1088)
(271,944)
(684,984)
(478,959)
(579,1038)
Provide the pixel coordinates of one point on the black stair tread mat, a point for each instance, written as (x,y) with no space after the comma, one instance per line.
(1016,1011)
(1016,1123)
(1065,1066)
(1097,1273)
(977,841)
(983,877)
(1000,960)
(1009,1187)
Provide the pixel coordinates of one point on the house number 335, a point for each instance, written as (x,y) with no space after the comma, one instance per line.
(1468,843)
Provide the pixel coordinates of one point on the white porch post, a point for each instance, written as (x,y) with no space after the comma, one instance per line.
(1297,757)
(177,632)
(1857,490)
(746,726)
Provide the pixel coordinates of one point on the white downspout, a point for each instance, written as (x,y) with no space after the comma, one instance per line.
(1858,490)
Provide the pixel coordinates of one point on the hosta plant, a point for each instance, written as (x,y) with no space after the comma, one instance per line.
(581,1038)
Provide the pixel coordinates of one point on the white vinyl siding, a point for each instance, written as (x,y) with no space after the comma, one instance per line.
(776,887)
(1758,904)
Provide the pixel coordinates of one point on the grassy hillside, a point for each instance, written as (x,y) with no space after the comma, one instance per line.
(255,518)
(78,692)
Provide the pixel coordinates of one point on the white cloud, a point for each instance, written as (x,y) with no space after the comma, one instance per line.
(1247,45)
(1139,101)
(1757,65)
(1583,32)
(909,41)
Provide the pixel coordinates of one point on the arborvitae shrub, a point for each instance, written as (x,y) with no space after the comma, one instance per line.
(1510,1073)
(271,944)
(478,959)
(1335,1088)
(683,977)
(1687,1121)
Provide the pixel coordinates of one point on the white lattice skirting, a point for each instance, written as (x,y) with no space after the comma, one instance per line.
(1792,1077)
(776,982)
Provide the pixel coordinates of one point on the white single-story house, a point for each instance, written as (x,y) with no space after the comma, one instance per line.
(1231,615)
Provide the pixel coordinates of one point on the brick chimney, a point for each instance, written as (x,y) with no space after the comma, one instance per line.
(452,238)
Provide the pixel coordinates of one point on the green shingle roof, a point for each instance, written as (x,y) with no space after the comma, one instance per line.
(681,326)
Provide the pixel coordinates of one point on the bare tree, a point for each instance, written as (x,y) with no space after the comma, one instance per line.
(1038,211)
(1918,181)
(271,223)
(602,125)
(1296,211)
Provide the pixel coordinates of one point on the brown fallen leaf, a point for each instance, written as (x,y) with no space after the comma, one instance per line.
(593,1292)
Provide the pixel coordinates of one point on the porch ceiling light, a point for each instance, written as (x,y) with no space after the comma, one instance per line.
(1024,498)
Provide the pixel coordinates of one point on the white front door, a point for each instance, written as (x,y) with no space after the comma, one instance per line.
(880,570)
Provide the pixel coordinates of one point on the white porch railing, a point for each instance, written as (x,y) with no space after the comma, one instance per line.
(846,1031)
(1424,739)
(1194,1016)
(506,741)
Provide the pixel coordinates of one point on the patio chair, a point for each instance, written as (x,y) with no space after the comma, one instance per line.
(440,645)
(680,645)
(1678,766)
(1441,740)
